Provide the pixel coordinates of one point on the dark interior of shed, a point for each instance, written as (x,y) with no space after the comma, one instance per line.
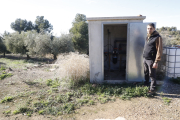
(115,44)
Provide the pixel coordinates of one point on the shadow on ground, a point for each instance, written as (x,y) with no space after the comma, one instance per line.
(35,59)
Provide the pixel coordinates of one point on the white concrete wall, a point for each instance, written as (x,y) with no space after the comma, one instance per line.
(95,51)
(96,46)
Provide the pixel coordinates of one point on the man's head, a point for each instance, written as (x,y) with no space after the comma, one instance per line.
(150,28)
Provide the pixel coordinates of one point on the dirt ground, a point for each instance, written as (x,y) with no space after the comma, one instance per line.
(140,108)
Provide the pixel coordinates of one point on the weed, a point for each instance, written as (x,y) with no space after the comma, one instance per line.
(41,104)
(2,68)
(82,101)
(7,112)
(53,83)
(29,114)
(103,100)
(91,102)
(4,75)
(16,112)
(59,113)
(63,98)
(7,99)
(166,100)
(49,82)
(26,110)
(68,107)
(41,112)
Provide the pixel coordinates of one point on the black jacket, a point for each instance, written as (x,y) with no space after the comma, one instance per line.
(150,50)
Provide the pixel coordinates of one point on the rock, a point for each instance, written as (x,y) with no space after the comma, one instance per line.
(6,107)
(52,70)
(10,69)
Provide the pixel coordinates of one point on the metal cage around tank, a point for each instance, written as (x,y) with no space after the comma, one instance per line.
(172,68)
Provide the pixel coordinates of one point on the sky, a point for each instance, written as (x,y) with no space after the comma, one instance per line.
(61,13)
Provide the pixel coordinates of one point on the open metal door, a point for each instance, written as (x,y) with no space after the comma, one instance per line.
(137,34)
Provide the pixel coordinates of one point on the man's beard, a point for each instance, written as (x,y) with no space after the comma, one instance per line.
(148,34)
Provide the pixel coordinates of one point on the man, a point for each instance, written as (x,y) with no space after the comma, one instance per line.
(152,55)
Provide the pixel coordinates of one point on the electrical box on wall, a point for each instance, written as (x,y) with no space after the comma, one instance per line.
(115,48)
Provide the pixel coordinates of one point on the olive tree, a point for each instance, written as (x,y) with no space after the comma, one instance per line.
(2,45)
(15,43)
(62,44)
(42,44)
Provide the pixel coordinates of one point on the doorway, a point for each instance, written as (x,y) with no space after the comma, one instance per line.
(115,51)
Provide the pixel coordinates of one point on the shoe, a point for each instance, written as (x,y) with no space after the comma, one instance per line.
(151,92)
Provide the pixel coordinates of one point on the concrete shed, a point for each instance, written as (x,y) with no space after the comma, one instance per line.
(115,48)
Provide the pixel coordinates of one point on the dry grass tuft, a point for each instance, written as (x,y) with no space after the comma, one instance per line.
(73,66)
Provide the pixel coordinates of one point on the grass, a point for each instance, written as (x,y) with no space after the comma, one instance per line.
(7,112)
(65,94)
(166,100)
(4,75)
(7,99)
(14,63)
(67,102)
(24,109)
(2,68)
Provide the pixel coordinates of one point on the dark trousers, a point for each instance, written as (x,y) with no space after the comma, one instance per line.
(149,72)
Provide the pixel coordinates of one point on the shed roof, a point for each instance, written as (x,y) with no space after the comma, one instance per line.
(116,18)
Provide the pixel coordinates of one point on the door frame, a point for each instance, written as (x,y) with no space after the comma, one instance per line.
(102,52)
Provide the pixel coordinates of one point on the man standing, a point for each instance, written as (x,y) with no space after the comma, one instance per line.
(152,55)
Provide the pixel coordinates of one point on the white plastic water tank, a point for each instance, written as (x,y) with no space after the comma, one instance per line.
(172,61)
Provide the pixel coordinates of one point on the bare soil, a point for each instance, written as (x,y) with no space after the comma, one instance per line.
(135,109)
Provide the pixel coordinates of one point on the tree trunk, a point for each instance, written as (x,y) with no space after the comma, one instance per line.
(4,55)
(28,57)
(55,57)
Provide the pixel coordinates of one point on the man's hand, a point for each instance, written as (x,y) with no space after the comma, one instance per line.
(155,65)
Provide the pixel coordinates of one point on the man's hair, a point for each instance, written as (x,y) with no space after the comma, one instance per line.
(151,24)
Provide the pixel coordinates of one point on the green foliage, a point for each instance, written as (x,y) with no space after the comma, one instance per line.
(63,44)
(2,68)
(15,43)
(7,99)
(41,112)
(68,107)
(4,75)
(42,44)
(53,83)
(25,109)
(49,82)
(63,98)
(42,24)
(7,112)
(79,31)
(166,100)
(80,102)
(175,80)
(91,102)
(21,25)
(16,112)
(2,45)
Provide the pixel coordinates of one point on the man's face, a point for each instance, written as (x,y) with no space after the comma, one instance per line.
(150,29)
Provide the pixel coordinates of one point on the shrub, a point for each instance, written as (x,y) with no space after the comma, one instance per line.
(74,67)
